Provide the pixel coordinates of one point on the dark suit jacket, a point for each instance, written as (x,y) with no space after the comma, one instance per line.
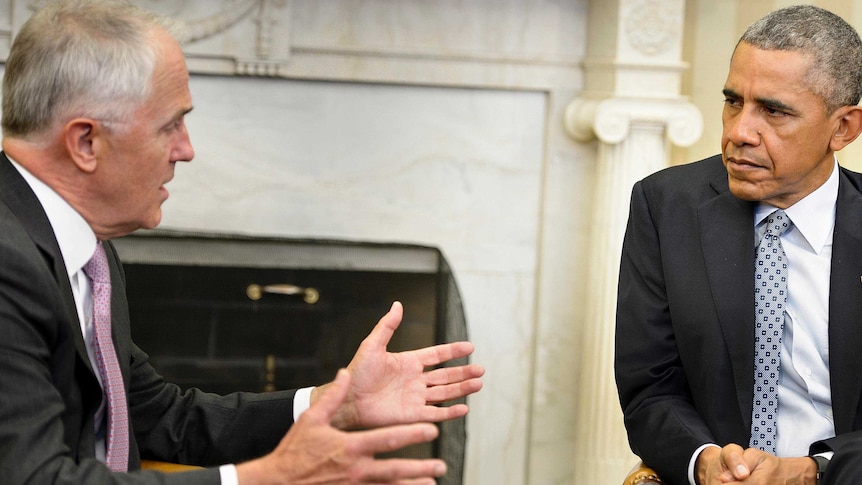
(685,318)
(49,393)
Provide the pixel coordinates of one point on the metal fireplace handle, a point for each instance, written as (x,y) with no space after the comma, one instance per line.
(309,295)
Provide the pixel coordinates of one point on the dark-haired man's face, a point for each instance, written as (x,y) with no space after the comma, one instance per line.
(777,132)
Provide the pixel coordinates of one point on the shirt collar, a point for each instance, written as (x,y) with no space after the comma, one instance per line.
(76,239)
(814,215)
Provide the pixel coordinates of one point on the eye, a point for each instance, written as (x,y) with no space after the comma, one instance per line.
(732,102)
(174,125)
(771,111)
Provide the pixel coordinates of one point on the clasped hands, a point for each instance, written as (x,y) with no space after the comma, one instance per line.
(390,398)
(734,465)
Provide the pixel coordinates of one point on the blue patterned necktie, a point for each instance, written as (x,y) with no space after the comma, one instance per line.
(770,297)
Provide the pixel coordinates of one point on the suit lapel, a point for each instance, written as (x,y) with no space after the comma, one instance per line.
(120,328)
(845,306)
(726,226)
(21,200)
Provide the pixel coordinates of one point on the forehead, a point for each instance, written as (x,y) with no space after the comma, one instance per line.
(170,78)
(759,72)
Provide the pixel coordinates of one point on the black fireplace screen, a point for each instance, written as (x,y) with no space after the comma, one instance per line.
(229,313)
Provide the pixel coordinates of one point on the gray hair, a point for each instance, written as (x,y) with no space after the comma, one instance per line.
(90,58)
(834,46)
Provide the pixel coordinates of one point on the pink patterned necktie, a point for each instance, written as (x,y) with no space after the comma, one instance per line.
(117,455)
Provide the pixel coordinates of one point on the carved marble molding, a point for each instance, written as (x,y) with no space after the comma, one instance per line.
(610,120)
(246,37)
(652,27)
(414,42)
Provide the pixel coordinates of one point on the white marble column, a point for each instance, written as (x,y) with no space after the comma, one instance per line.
(632,105)
(634,138)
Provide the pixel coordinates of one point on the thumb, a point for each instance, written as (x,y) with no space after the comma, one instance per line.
(324,409)
(385,328)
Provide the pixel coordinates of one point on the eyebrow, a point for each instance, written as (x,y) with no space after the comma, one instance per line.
(179,114)
(184,112)
(770,102)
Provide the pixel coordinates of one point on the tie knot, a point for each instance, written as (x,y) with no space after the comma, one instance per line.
(97,267)
(777,223)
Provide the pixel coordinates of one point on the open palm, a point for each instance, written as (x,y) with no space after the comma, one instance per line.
(393,388)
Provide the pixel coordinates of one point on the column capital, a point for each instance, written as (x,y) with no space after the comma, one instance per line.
(610,119)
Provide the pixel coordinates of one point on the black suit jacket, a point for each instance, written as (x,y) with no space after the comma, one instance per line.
(685,318)
(49,393)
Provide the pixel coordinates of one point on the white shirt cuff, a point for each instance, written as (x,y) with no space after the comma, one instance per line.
(228,475)
(301,402)
(693,461)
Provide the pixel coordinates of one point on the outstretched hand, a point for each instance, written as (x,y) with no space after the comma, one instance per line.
(314,452)
(395,388)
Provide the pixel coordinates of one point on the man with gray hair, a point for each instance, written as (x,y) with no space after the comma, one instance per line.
(738,321)
(95,95)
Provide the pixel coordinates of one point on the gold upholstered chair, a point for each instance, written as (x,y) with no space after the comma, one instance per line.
(642,475)
(166,467)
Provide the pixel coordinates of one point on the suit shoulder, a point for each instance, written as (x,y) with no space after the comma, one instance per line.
(706,170)
(688,182)
(855,178)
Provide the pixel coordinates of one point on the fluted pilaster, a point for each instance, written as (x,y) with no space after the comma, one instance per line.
(633,107)
(634,140)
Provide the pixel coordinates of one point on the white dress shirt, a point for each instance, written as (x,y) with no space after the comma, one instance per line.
(804,392)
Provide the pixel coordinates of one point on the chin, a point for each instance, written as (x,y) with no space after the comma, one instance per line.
(744,191)
(153,221)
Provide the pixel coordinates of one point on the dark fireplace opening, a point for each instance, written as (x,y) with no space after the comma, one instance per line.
(201,328)
(228,313)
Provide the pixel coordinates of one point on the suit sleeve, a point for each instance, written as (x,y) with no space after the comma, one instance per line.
(198,428)
(39,367)
(663,426)
(846,464)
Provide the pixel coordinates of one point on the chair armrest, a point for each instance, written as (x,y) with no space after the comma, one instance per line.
(642,475)
(163,466)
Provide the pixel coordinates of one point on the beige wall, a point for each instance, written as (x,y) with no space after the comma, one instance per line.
(712,29)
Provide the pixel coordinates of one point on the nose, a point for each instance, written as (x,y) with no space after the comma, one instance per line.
(742,127)
(183,150)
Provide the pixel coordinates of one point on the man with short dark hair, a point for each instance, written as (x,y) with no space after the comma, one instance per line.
(740,300)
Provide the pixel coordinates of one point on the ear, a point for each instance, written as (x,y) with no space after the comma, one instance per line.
(80,138)
(849,127)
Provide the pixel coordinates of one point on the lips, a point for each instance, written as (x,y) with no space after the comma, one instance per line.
(740,163)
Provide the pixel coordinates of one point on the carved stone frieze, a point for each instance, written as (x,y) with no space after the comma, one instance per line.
(404,42)
(245,37)
(652,27)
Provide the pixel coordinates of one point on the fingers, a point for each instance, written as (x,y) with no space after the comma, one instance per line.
(384,440)
(449,375)
(732,459)
(417,481)
(402,471)
(448,383)
(438,414)
(382,333)
(439,394)
(431,356)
